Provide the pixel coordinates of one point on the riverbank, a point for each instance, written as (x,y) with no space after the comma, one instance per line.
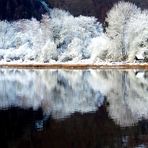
(115,65)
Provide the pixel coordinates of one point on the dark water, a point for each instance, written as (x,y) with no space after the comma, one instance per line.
(73,108)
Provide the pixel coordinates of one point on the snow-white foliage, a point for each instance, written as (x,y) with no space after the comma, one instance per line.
(100,48)
(136,40)
(61,37)
(127,28)
(58,37)
(126,37)
(117,20)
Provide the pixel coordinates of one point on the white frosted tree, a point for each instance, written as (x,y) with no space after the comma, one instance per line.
(7,35)
(136,33)
(73,34)
(58,36)
(117,19)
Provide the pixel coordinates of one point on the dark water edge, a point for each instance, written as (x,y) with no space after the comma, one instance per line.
(90,130)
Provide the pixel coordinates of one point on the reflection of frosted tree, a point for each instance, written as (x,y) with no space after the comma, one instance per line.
(62,92)
(58,93)
(129,99)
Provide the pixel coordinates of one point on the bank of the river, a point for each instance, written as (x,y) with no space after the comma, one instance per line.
(115,65)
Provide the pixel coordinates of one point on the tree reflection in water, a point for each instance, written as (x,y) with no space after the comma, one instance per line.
(73,108)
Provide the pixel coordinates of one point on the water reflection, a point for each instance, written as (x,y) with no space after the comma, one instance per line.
(73,108)
(60,93)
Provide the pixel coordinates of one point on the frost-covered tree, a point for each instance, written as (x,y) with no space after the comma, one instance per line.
(126,37)
(136,40)
(117,20)
(7,35)
(57,37)
(73,34)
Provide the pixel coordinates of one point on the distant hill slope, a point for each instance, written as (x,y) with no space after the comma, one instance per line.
(18,9)
(96,8)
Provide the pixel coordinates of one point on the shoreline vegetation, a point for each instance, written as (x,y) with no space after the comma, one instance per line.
(115,65)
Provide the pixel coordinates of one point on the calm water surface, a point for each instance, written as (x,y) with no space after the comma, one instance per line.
(73,108)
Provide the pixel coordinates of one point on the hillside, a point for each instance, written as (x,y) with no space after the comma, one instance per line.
(96,8)
(18,9)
